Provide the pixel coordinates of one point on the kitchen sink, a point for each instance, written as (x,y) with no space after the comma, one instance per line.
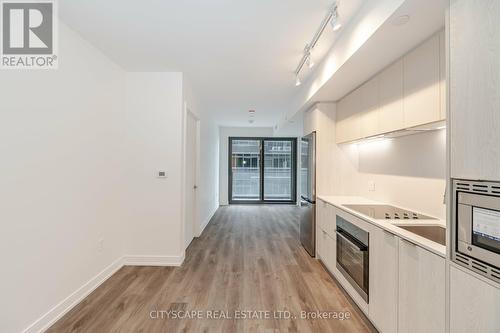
(434,233)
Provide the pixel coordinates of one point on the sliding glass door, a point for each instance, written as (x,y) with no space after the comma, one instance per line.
(262,170)
(245,169)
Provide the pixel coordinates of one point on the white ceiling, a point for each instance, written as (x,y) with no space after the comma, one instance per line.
(238,55)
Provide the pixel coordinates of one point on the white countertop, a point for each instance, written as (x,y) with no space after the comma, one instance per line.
(392,227)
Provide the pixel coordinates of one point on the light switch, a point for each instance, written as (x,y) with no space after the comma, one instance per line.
(162,174)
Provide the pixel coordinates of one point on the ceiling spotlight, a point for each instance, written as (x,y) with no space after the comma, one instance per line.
(335,22)
(297,81)
(309,61)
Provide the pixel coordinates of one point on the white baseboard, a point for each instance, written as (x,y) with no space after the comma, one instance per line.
(138,260)
(48,319)
(207,220)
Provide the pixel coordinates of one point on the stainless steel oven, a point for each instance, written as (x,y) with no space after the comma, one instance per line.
(476,213)
(353,255)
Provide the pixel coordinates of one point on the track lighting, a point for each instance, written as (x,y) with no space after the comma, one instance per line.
(310,62)
(297,81)
(335,22)
(332,18)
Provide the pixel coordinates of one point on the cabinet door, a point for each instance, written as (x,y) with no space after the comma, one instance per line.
(391,115)
(320,245)
(370,101)
(474,304)
(330,223)
(421,84)
(347,123)
(320,214)
(474,89)
(383,306)
(442,74)
(331,249)
(421,296)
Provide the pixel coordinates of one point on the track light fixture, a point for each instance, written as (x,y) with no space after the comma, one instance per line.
(309,61)
(297,81)
(335,22)
(332,18)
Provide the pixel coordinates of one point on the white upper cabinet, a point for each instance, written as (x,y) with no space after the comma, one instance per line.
(370,105)
(475,89)
(391,117)
(442,74)
(421,84)
(348,126)
(411,92)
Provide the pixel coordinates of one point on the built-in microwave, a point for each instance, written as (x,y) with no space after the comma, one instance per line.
(476,232)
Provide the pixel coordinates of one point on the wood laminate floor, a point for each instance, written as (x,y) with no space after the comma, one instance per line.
(248,262)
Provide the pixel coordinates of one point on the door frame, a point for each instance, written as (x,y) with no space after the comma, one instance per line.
(196,223)
(261,200)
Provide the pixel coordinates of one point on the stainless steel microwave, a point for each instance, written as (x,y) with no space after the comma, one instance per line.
(476,232)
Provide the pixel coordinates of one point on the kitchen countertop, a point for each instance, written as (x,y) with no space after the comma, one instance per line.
(392,227)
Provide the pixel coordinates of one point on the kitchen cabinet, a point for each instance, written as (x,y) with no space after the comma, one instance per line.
(383,306)
(421,100)
(320,214)
(474,304)
(320,244)
(331,253)
(370,104)
(326,250)
(325,233)
(421,296)
(442,74)
(411,92)
(474,95)
(391,115)
(348,127)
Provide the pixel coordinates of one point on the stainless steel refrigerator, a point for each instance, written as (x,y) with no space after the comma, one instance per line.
(307,228)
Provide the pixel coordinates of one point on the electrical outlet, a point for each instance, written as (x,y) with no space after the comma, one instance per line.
(371,186)
(161,174)
(100,245)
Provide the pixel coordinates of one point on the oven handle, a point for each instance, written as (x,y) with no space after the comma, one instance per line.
(351,239)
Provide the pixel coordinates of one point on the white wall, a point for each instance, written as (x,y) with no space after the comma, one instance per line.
(80,150)
(224,134)
(62,186)
(154,104)
(208,180)
(407,171)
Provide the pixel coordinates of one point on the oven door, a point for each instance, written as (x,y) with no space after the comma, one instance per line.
(352,261)
(479,227)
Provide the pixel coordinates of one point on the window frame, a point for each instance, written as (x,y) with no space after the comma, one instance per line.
(261,165)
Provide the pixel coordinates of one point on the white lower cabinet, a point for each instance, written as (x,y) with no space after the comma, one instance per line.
(474,304)
(421,299)
(383,305)
(331,256)
(321,250)
(406,282)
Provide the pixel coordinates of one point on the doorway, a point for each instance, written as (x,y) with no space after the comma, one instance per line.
(191,179)
(262,170)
